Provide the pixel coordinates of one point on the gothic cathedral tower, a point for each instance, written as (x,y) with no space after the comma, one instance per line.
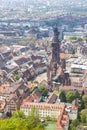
(56,46)
(55,60)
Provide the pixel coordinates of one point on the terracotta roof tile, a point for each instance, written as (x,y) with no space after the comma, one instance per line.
(52,98)
(43,105)
(74,107)
(62,55)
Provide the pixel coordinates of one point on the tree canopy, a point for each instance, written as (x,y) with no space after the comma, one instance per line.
(70,96)
(62,96)
(76,94)
(43,90)
(20,122)
(84,98)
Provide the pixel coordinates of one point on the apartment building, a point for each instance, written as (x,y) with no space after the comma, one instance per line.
(44,109)
(52,110)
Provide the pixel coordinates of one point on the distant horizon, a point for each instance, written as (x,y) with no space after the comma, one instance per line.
(47,2)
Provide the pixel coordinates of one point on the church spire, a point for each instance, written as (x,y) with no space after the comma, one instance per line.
(56,34)
(55,46)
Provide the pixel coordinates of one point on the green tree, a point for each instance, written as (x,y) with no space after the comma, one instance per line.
(82,94)
(81,105)
(33,113)
(75,122)
(73,38)
(83,115)
(18,122)
(76,94)
(84,112)
(48,118)
(62,96)
(34,121)
(13,124)
(72,127)
(70,96)
(16,77)
(83,118)
(18,114)
(43,90)
(84,98)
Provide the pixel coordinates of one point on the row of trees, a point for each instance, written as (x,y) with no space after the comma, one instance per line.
(81,121)
(69,96)
(82,107)
(78,38)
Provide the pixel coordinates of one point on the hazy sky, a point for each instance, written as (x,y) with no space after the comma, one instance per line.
(44,1)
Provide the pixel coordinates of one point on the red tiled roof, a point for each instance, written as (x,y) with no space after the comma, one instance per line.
(28,99)
(34,96)
(74,108)
(43,106)
(62,55)
(61,121)
(73,88)
(52,98)
(30,85)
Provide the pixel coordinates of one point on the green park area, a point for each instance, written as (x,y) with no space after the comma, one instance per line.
(50,126)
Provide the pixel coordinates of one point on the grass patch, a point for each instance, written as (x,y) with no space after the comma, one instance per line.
(50,126)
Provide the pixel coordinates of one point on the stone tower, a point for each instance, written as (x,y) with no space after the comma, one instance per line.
(55,60)
(55,46)
(56,71)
